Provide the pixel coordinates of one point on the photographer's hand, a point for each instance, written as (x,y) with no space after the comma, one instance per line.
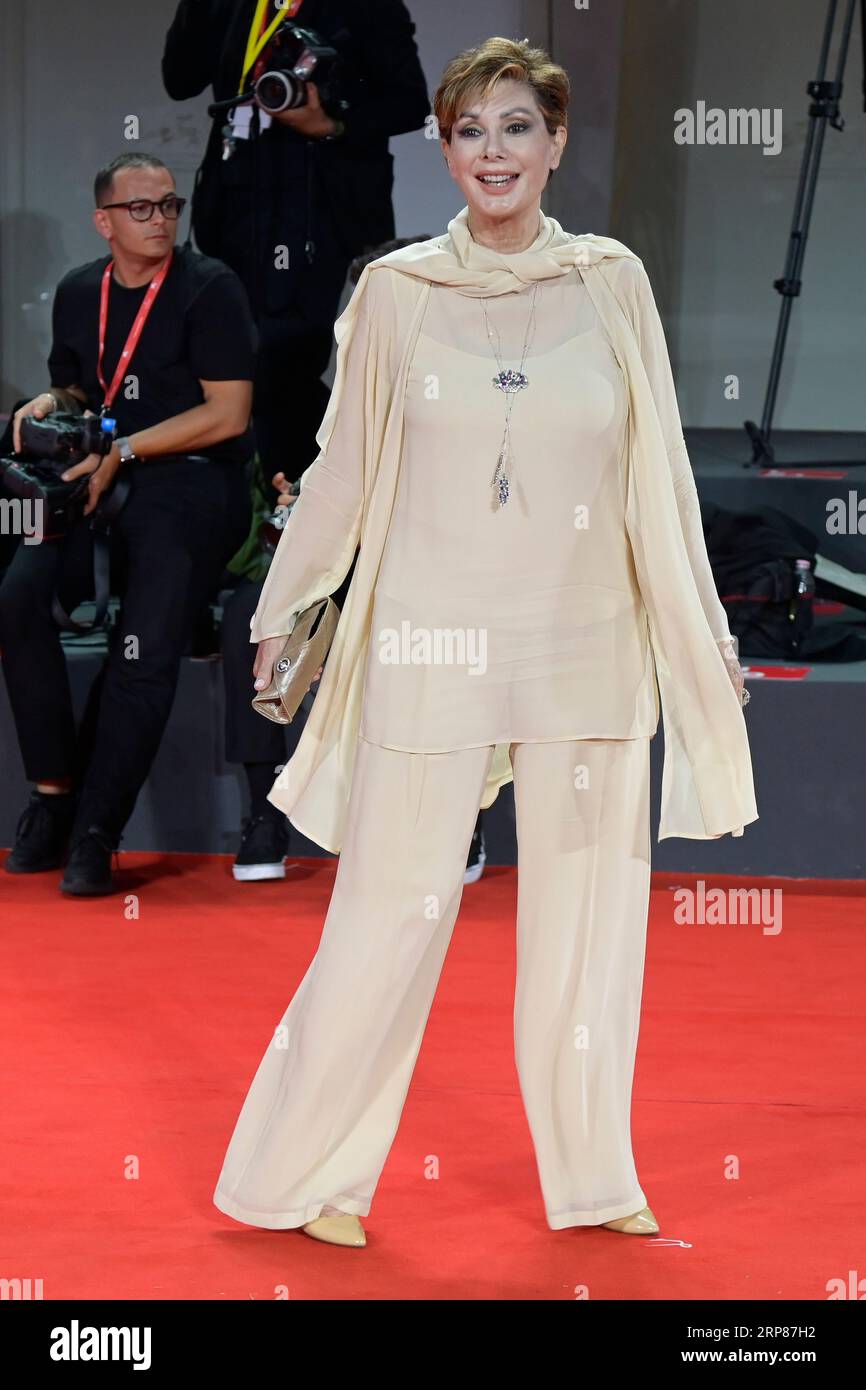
(103,470)
(66,398)
(285,495)
(39,407)
(310,119)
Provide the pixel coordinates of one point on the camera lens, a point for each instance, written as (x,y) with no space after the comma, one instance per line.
(277,91)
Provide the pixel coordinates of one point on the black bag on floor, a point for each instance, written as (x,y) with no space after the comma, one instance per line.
(753,555)
(753,558)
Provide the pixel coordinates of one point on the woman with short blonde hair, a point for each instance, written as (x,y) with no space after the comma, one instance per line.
(503,442)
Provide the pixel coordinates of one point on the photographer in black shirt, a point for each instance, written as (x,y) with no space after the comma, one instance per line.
(164,337)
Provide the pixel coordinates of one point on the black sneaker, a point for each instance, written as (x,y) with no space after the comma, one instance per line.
(264,845)
(477,856)
(88,868)
(42,833)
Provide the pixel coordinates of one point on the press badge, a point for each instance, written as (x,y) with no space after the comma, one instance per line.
(241,118)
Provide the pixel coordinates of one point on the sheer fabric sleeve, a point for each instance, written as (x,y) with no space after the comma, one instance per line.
(653,348)
(319,540)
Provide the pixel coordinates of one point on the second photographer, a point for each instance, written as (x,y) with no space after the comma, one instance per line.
(288,197)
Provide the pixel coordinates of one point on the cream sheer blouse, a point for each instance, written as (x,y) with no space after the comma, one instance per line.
(349,495)
(522,622)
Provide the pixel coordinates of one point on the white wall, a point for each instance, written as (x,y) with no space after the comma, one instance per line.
(712,222)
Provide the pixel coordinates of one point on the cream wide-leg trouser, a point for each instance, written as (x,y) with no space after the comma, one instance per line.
(324,1105)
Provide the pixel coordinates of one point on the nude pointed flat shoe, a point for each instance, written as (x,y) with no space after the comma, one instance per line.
(342,1229)
(641,1223)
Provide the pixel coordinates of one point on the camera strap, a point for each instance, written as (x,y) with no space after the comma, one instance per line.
(261,33)
(100,524)
(135,332)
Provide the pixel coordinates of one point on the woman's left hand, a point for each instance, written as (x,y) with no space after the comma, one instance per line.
(729,654)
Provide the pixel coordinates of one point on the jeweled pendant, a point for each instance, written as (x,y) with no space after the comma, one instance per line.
(510,380)
(500,481)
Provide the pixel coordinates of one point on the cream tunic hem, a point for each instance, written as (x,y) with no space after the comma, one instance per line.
(507,739)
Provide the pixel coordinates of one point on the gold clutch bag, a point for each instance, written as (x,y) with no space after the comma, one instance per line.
(305,651)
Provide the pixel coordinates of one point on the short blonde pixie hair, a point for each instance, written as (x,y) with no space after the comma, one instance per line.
(477,70)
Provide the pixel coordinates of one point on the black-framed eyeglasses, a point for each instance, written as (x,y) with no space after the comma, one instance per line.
(141,209)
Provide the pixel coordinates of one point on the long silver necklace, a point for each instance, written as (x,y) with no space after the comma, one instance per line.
(510,382)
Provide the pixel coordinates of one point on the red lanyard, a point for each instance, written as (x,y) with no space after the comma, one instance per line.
(131,343)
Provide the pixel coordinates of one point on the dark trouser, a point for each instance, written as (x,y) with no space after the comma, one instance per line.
(294,302)
(180,524)
(289,396)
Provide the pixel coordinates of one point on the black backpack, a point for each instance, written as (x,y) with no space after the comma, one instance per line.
(752,555)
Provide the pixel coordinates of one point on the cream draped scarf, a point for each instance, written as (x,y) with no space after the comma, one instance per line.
(347,496)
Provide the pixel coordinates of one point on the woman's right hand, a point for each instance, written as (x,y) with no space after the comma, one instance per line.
(263,666)
(266,654)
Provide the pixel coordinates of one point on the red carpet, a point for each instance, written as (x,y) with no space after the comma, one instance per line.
(129,1045)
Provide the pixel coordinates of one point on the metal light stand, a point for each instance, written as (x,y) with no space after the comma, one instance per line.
(824,108)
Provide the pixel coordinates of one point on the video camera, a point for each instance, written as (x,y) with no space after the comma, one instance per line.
(48,448)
